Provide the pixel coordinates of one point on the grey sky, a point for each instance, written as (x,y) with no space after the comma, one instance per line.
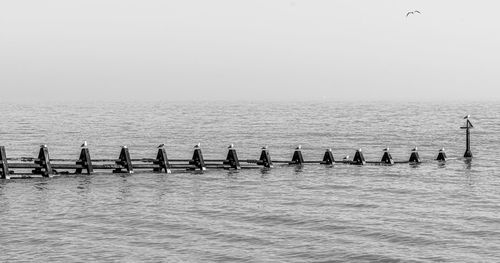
(257,50)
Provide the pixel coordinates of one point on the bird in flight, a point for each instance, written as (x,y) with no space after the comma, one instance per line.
(466,117)
(412,13)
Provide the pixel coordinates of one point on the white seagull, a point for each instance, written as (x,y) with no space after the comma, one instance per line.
(298,147)
(386,149)
(345,158)
(231,146)
(466,117)
(43,146)
(442,149)
(124,146)
(198,145)
(84,144)
(414,149)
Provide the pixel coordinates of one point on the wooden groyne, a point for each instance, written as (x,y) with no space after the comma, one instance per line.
(44,166)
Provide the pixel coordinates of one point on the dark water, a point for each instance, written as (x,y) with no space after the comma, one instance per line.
(430,212)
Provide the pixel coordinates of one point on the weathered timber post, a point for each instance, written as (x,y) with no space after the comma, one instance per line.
(197,159)
(43,160)
(359,158)
(85,162)
(441,155)
(387,158)
(467,127)
(124,161)
(297,156)
(265,158)
(4,164)
(232,158)
(162,161)
(414,157)
(328,157)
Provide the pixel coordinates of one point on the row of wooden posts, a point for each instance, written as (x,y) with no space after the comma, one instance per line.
(46,167)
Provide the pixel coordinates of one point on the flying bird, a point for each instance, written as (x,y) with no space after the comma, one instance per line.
(412,13)
(84,144)
(161,145)
(466,117)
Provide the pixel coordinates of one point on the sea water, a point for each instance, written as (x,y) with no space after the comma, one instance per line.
(446,212)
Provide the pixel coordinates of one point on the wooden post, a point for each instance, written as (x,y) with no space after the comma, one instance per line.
(297,157)
(43,160)
(328,157)
(387,158)
(162,161)
(441,155)
(232,159)
(359,158)
(467,127)
(414,157)
(124,160)
(4,164)
(197,159)
(265,158)
(85,162)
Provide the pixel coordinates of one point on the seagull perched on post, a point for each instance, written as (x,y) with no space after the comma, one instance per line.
(231,146)
(124,146)
(198,145)
(386,149)
(412,12)
(43,146)
(442,149)
(264,147)
(84,144)
(467,117)
(298,147)
(161,145)
(414,149)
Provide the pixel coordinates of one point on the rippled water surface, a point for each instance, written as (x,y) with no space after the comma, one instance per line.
(429,212)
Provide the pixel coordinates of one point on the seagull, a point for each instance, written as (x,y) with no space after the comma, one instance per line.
(161,145)
(230,146)
(264,148)
(124,146)
(414,149)
(412,12)
(359,150)
(467,117)
(298,147)
(345,158)
(84,144)
(43,146)
(386,149)
(329,149)
(442,149)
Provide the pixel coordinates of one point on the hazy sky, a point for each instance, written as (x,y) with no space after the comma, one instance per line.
(249,50)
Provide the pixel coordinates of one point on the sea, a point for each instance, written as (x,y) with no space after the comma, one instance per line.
(431,212)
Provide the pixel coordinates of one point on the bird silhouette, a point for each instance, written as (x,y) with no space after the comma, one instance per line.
(198,145)
(84,144)
(412,13)
(230,146)
(161,145)
(466,117)
(386,149)
(414,149)
(345,158)
(124,146)
(298,147)
(264,147)
(43,146)
(442,149)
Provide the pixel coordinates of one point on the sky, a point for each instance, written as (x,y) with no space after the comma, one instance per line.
(249,50)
